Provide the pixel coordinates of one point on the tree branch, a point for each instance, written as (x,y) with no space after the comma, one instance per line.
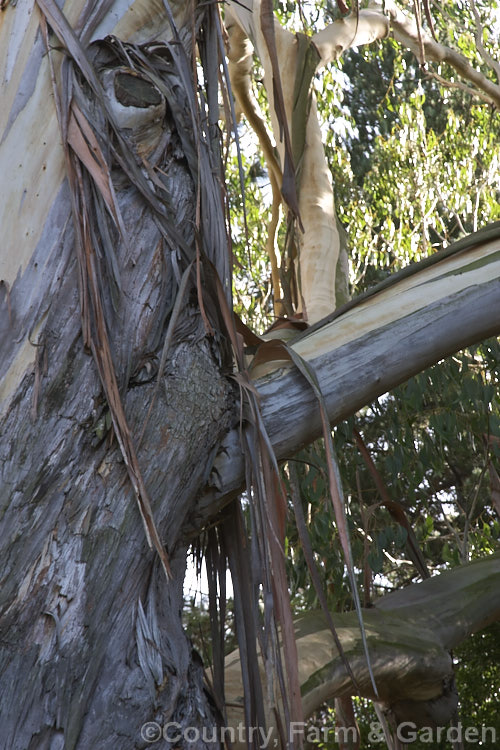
(404,30)
(424,313)
(488,59)
(374,22)
(345,33)
(410,634)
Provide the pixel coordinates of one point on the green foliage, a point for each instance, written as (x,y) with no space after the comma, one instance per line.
(415,166)
(428,440)
(424,176)
(251,277)
(478,678)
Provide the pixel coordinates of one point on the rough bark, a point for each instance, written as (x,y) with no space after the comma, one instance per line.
(77,565)
(91,640)
(91,643)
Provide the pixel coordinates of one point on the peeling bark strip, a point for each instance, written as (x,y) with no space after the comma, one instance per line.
(288,187)
(91,644)
(122,263)
(94,323)
(319,247)
(318,244)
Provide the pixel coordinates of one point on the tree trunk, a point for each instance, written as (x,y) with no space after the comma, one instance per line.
(92,645)
(78,659)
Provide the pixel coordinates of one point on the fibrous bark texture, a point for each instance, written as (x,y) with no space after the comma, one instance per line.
(77,568)
(92,645)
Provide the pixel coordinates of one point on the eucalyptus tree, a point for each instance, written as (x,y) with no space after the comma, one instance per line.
(123,374)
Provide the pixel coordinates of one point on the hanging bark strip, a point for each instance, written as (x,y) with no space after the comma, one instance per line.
(240,562)
(263,475)
(270,502)
(279,350)
(313,568)
(288,188)
(239,76)
(336,498)
(90,296)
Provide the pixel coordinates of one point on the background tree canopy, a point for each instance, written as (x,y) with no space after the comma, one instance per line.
(415,163)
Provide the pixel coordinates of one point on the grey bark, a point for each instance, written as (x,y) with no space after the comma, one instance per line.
(92,645)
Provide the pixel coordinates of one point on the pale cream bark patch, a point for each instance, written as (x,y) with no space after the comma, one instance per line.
(319,243)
